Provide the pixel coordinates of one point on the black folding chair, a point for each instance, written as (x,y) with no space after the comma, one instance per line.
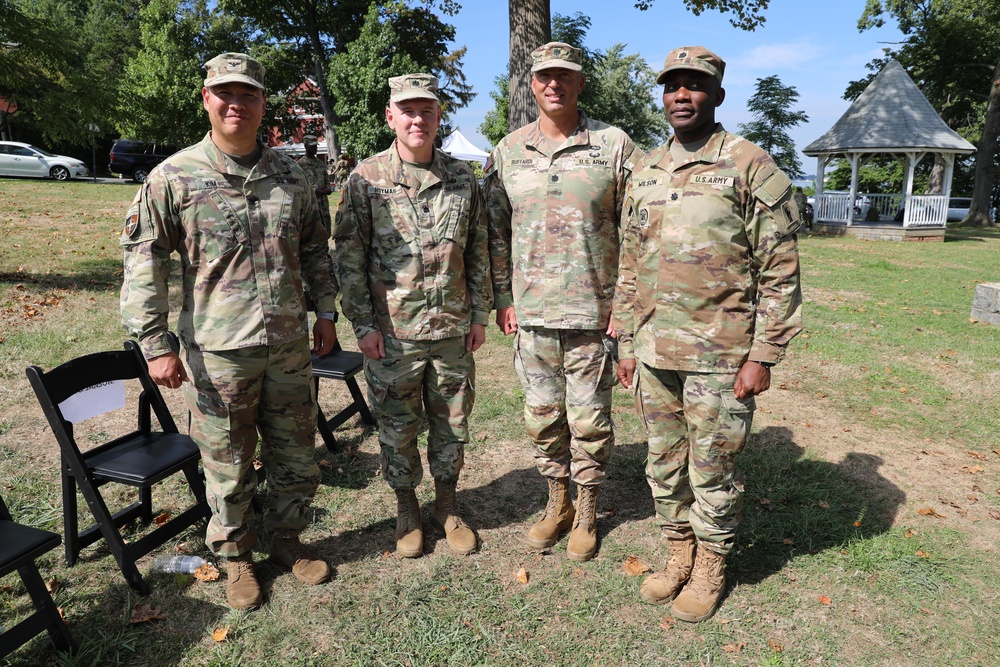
(339,364)
(139,459)
(19,547)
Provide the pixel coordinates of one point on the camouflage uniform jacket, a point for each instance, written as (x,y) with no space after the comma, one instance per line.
(413,258)
(315,170)
(554,223)
(246,239)
(709,271)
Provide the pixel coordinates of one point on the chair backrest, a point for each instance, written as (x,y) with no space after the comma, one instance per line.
(54,387)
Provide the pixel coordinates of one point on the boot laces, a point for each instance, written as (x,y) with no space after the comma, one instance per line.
(707,568)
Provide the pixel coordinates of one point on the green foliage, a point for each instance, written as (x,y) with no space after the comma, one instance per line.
(494,125)
(771,108)
(748,14)
(161,98)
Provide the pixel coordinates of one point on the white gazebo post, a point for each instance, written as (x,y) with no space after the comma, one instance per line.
(911,165)
(855,159)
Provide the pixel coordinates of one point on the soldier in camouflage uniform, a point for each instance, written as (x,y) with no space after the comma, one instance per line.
(316,173)
(245,222)
(554,191)
(411,244)
(708,298)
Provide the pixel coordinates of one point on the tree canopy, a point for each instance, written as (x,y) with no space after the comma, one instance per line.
(771,109)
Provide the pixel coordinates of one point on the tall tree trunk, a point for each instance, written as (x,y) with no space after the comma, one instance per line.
(936,184)
(986,168)
(326,100)
(530,27)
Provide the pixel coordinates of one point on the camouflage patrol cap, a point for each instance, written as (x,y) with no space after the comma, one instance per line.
(556,54)
(696,58)
(309,140)
(234,68)
(413,86)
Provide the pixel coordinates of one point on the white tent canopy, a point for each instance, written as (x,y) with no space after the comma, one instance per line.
(457,146)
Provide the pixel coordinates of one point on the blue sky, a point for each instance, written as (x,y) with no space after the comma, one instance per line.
(811,45)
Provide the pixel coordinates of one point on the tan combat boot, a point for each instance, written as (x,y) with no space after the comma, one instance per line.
(700,597)
(409,536)
(242,591)
(558,517)
(583,539)
(458,535)
(305,565)
(661,587)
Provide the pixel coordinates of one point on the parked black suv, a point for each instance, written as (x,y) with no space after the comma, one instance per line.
(136,159)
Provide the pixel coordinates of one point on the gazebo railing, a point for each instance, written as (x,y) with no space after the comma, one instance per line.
(924,210)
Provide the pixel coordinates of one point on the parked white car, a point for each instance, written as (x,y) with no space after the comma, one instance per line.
(19,159)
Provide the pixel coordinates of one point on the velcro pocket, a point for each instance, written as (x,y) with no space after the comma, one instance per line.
(775,193)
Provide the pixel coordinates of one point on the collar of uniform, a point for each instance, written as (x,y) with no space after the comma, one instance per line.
(434,172)
(709,153)
(270,164)
(581,137)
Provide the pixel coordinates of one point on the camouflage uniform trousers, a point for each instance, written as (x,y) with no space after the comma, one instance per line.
(436,375)
(324,212)
(567,377)
(233,395)
(695,427)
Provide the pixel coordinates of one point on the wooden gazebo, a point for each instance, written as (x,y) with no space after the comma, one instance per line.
(891,117)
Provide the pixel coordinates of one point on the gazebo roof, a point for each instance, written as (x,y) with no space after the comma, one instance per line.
(890,116)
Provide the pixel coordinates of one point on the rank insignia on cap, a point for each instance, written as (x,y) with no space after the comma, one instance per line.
(132,225)
(682,54)
(673,196)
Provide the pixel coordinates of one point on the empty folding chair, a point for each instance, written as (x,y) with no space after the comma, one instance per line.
(140,458)
(341,365)
(20,545)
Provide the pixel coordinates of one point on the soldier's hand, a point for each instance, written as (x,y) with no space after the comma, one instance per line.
(753,379)
(626,372)
(324,336)
(507,320)
(372,345)
(167,370)
(475,338)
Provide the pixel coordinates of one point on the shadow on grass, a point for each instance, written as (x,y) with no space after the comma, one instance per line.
(978,234)
(795,506)
(98,274)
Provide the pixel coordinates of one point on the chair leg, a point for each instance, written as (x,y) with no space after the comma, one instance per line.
(120,550)
(71,526)
(323,426)
(366,415)
(47,608)
(146,504)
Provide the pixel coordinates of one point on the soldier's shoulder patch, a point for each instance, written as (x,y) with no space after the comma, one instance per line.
(137,227)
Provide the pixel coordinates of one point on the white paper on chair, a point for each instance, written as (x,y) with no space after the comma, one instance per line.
(93,401)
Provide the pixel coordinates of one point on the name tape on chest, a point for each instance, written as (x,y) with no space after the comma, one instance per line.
(377,190)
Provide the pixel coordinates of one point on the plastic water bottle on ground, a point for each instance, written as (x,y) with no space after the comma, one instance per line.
(179,564)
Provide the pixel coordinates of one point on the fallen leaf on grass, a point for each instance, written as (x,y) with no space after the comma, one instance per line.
(972,470)
(734,648)
(977,455)
(937,312)
(788,540)
(207,572)
(634,567)
(161,519)
(997,452)
(923,554)
(666,622)
(823,505)
(857,524)
(775,646)
(521,576)
(909,533)
(577,573)
(142,613)
(52,585)
(324,463)
(765,501)
(221,634)
(929,511)
(824,600)
(994,513)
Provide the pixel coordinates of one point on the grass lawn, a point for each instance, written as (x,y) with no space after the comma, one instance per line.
(886,407)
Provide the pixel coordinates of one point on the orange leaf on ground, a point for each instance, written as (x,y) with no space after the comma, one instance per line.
(221,634)
(997,452)
(634,567)
(521,576)
(734,648)
(765,501)
(775,646)
(666,622)
(923,554)
(857,524)
(929,511)
(52,585)
(972,470)
(824,600)
(788,540)
(207,572)
(141,613)
(909,533)
(161,519)
(824,505)
(977,455)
